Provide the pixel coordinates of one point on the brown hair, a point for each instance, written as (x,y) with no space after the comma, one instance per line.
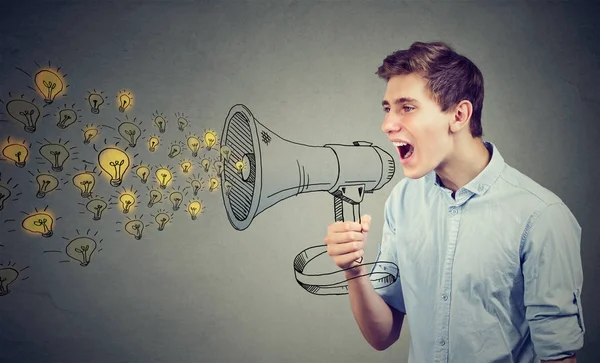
(451,77)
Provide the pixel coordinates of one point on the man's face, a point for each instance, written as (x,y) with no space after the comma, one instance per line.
(416,125)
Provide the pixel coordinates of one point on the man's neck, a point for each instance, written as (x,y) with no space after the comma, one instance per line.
(469,158)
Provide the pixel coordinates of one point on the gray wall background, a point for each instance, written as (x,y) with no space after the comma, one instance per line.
(201,291)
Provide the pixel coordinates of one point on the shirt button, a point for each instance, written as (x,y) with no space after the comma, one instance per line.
(453,211)
(442,342)
(480,187)
(445,297)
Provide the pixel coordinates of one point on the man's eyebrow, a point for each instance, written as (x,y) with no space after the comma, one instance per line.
(400,100)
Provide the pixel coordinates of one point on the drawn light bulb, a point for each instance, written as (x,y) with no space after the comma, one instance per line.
(218,165)
(194,209)
(85,182)
(17,153)
(81,249)
(127,200)
(164,176)
(175,150)
(161,123)
(56,154)
(196,186)
(182,122)
(185,166)
(66,118)
(96,207)
(46,183)
(205,164)
(135,228)
(130,132)
(225,152)
(124,102)
(41,223)
(176,198)
(25,112)
(153,143)
(239,166)
(115,163)
(143,172)
(210,138)
(214,184)
(162,219)
(49,84)
(4,195)
(227,185)
(95,100)
(89,134)
(155,197)
(7,276)
(194,145)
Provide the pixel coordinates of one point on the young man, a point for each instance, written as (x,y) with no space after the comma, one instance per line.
(489,260)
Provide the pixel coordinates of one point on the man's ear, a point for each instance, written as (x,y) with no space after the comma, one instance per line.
(460,116)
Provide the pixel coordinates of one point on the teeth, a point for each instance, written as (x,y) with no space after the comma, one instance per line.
(399,143)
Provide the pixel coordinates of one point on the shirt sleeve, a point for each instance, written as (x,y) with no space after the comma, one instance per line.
(553,278)
(384,274)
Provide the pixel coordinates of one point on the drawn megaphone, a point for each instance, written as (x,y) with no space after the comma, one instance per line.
(261,169)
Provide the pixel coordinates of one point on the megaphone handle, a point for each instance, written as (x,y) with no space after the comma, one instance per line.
(340,208)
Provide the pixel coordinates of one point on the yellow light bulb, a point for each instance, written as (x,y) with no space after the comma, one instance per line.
(49,84)
(4,195)
(176,198)
(153,143)
(162,219)
(7,276)
(17,153)
(143,172)
(194,145)
(205,164)
(96,206)
(41,223)
(194,209)
(214,184)
(46,183)
(185,166)
(155,197)
(210,139)
(239,166)
(115,163)
(164,176)
(135,228)
(81,249)
(85,182)
(196,186)
(127,201)
(124,102)
(89,134)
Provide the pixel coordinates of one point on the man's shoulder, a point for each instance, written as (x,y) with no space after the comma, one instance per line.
(528,190)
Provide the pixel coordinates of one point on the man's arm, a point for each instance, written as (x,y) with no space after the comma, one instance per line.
(553,278)
(570,359)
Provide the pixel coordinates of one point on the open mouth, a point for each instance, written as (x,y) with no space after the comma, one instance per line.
(405,149)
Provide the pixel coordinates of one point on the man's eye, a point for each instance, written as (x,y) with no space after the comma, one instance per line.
(409,108)
(386,109)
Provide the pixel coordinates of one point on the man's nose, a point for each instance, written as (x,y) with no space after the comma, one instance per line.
(390,124)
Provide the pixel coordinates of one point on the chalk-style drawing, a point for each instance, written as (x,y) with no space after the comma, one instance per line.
(95,100)
(142,171)
(9,273)
(124,100)
(134,227)
(196,184)
(90,132)
(225,152)
(261,176)
(96,206)
(162,218)
(182,121)
(57,153)
(127,200)
(67,116)
(8,191)
(15,151)
(159,121)
(185,165)
(115,163)
(49,82)
(164,176)
(155,196)
(210,139)
(175,149)
(193,144)
(82,247)
(213,183)
(45,183)
(205,162)
(176,197)
(23,111)
(130,131)
(195,208)
(40,222)
(153,143)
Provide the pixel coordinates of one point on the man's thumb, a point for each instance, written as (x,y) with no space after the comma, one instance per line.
(366,222)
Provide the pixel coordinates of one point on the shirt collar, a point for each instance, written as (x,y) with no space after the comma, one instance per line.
(485,179)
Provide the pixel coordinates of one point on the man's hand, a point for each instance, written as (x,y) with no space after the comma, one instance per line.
(345,241)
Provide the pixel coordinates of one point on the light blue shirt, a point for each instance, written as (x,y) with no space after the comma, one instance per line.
(493,276)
